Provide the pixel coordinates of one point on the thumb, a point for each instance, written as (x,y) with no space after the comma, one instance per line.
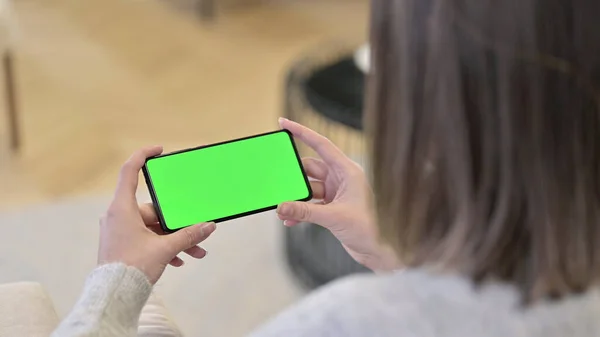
(189,237)
(303,211)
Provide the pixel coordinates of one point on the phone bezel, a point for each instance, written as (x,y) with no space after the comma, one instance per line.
(156,203)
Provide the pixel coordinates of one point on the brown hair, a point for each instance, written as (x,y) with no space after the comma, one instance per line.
(484,118)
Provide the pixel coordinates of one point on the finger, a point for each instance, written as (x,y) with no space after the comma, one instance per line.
(196,252)
(128,177)
(323,146)
(303,212)
(190,236)
(315,168)
(318,189)
(176,262)
(148,214)
(156,228)
(290,223)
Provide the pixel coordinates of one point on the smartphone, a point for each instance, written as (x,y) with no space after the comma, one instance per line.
(226,180)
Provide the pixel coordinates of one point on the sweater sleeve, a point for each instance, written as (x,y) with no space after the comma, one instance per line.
(110,305)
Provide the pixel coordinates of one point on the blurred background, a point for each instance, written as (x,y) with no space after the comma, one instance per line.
(87,82)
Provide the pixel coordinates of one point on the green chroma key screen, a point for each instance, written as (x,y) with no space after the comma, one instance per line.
(226,180)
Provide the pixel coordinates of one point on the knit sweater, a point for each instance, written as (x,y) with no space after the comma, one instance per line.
(410,303)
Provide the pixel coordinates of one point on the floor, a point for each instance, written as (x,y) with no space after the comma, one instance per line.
(99,78)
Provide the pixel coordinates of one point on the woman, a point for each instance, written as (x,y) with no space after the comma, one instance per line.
(483,117)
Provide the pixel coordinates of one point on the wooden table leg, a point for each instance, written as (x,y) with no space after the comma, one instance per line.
(207,9)
(11,101)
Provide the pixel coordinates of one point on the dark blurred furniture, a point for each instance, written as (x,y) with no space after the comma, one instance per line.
(209,10)
(324,91)
(11,100)
(206,9)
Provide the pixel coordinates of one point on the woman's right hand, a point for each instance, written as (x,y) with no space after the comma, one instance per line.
(345,201)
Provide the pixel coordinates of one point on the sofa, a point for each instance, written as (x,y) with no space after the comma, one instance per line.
(26,310)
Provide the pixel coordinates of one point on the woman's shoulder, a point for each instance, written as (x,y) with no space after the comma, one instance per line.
(419,303)
(359,305)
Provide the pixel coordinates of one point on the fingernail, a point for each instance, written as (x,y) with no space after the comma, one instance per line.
(208,227)
(283,209)
(282,119)
(286,223)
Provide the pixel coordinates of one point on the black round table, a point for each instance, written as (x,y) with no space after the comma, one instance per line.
(324,92)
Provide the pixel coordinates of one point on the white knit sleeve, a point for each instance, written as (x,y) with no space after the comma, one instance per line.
(110,305)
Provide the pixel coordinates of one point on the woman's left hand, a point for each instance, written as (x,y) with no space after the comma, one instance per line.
(130,234)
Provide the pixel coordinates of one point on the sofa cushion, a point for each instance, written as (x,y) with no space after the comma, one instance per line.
(26,310)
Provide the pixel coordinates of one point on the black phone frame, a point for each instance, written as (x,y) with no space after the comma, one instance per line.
(156,203)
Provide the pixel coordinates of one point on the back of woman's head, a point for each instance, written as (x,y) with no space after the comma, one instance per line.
(484,117)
